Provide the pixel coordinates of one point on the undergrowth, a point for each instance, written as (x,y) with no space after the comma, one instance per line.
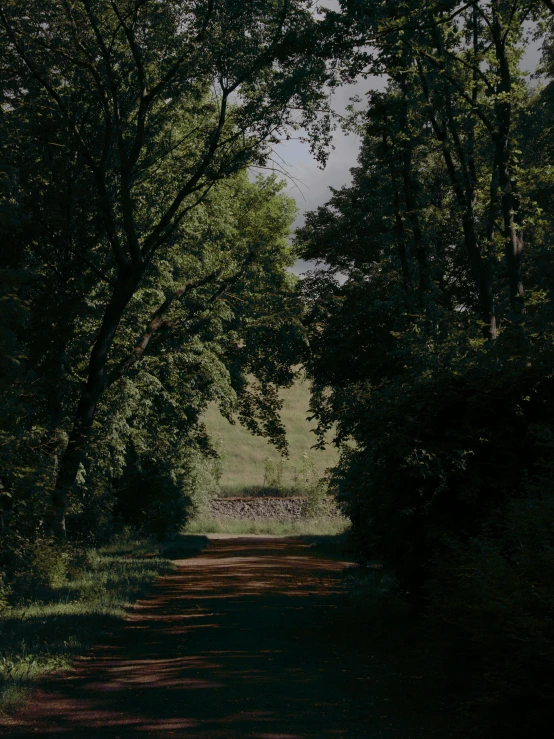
(44,632)
(377,624)
(316,526)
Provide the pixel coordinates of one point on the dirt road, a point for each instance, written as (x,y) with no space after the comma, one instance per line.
(240,641)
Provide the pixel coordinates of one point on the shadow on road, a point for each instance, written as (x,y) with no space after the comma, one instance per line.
(237,642)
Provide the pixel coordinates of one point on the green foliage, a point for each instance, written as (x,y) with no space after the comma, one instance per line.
(467,443)
(153,416)
(431,345)
(273,473)
(441,392)
(491,602)
(149,498)
(150,261)
(202,483)
(310,485)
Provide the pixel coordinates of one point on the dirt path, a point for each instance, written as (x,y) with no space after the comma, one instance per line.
(238,642)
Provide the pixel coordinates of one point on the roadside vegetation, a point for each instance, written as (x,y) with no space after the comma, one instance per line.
(434,350)
(308,526)
(70,601)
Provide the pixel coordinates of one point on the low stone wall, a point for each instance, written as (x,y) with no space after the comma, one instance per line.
(280,509)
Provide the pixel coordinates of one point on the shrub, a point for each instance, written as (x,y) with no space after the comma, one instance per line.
(150,498)
(201,482)
(311,486)
(436,458)
(156,496)
(34,567)
(492,600)
(273,473)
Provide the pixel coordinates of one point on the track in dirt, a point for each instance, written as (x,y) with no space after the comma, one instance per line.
(238,642)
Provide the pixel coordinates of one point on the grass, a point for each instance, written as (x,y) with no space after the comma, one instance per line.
(44,635)
(243,455)
(259,491)
(316,526)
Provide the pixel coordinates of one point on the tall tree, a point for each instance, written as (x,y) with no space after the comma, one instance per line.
(149,103)
(429,239)
(461,62)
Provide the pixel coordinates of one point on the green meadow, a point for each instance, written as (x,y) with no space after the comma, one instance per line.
(246,460)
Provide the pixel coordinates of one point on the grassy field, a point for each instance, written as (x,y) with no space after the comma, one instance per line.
(244,455)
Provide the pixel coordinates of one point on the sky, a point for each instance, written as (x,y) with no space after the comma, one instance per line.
(310,187)
(307,183)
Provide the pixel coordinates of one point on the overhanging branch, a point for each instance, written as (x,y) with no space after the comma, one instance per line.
(157,322)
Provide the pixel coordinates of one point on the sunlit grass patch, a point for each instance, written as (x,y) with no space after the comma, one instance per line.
(316,526)
(40,636)
(243,455)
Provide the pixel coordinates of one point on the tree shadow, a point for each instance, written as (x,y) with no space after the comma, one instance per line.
(236,642)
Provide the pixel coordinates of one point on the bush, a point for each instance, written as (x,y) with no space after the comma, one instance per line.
(492,600)
(311,486)
(438,457)
(201,482)
(34,567)
(157,496)
(151,500)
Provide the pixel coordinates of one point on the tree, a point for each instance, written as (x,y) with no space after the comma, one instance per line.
(431,315)
(148,105)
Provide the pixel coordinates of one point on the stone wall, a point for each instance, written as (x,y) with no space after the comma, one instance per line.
(280,509)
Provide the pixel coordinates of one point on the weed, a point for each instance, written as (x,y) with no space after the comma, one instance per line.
(316,526)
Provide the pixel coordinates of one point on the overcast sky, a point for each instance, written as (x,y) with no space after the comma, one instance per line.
(312,184)
(307,183)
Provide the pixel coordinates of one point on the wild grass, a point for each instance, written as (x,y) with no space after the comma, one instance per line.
(259,491)
(44,634)
(316,526)
(243,455)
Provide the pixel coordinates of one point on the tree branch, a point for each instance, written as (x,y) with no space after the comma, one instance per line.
(156,237)
(156,323)
(94,268)
(478,110)
(166,79)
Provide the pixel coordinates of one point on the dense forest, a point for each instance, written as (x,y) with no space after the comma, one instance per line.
(145,273)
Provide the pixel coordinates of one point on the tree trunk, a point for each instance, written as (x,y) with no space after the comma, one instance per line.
(513,237)
(97,382)
(399,225)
